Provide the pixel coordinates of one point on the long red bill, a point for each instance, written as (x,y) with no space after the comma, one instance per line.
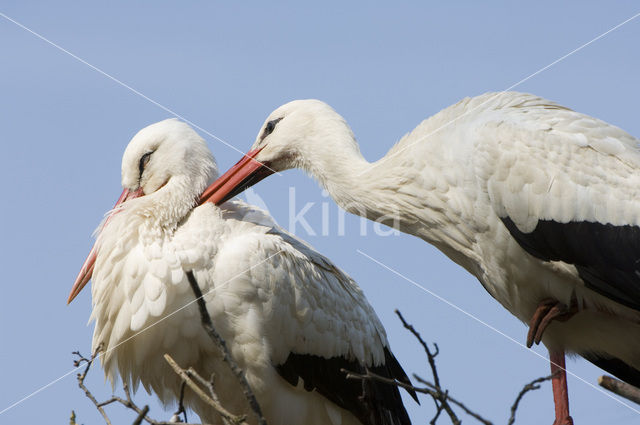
(87,268)
(247,172)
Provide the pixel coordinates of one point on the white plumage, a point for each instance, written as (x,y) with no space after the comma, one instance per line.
(285,311)
(540,203)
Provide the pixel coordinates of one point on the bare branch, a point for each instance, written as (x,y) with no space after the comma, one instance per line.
(441,397)
(128,402)
(81,377)
(141,415)
(222,345)
(210,386)
(620,388)
(533,385)
(186,376)
(439,409)
(430,356)
(375,377)
(228,418)
(444,394)
(181,408)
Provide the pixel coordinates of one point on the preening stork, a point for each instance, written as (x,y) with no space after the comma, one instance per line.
(540,203)
(291,318)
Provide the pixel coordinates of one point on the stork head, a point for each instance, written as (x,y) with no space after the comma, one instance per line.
(169,165)
(298,131)
(299,134)
(164,151)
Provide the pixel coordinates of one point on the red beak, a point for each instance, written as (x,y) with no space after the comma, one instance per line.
(87,268)
(247,172)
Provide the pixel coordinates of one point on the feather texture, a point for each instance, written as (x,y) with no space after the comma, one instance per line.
(535,200)
(269,296)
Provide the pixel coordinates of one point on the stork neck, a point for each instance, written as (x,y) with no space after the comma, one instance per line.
(347,178)
(340,176)
(392,193)
(165,208)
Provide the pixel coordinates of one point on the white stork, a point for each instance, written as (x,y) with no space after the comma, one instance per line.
(540,203)
(291,318)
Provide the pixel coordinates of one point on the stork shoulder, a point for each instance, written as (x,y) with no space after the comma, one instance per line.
(532,174)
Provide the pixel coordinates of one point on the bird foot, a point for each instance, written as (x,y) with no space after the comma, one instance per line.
(564,421)
(548,310)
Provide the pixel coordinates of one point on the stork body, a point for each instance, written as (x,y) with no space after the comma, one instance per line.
(290,318)
(540,203)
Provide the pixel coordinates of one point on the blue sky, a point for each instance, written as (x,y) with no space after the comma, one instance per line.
(384,67)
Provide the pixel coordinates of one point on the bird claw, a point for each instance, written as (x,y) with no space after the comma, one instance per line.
(541,311)
(547,311)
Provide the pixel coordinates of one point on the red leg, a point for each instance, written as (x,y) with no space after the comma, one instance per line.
(559,384)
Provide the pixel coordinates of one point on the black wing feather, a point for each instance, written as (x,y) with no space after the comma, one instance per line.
(373,403)
(616,367)
(607,257)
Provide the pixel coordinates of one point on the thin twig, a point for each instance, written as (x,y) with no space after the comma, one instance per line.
(438,394)
(533,385)
(390,381)
(181,408)
(212,392)
(81,377)
(221,344)
(440,398)
(128,402)
(186,377)
(141,415)
(430,356)
(439,409)
(620,388)
(448,397)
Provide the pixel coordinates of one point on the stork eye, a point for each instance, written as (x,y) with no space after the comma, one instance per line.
(268,129)
(144,160)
